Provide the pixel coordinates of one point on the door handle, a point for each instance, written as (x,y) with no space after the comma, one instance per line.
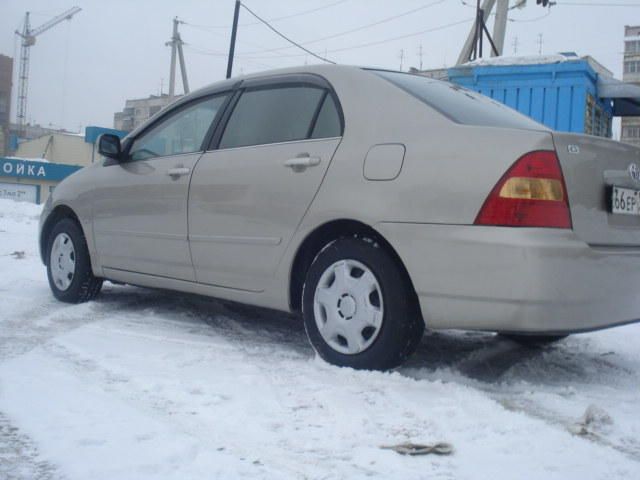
(178,171)
(299,164)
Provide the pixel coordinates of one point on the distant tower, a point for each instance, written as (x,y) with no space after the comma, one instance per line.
(631,74)
(540,43)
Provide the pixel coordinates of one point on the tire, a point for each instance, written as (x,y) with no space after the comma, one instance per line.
(336,307)
(533,341)
(69,265)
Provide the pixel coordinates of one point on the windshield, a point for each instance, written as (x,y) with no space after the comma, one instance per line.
(459,104)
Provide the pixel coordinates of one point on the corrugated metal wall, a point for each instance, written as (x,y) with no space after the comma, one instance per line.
(562,96)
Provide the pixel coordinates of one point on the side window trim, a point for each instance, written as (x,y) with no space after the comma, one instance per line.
(218,117)
(338,105)
(314,119)
(221,124)
(177,110)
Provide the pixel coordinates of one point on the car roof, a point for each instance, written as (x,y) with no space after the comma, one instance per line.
(327,71)
(330,70)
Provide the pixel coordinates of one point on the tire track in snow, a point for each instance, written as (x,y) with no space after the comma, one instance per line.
(20,458)
(160,406)
(302,409)
(505,371)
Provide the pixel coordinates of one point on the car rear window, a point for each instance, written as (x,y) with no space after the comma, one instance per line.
(459,104)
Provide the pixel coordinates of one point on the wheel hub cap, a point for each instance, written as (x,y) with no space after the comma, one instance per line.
(63,261)
(348,307)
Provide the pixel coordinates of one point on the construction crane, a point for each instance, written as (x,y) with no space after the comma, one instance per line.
(28,36)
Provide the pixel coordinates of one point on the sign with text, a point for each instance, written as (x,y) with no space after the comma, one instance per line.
(17,167)
(20,192)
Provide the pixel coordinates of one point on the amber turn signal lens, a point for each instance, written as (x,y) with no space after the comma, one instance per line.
(533,189)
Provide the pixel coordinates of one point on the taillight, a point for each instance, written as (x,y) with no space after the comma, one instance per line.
(531,194)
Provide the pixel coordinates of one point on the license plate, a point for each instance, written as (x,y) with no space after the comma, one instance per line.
(625,201)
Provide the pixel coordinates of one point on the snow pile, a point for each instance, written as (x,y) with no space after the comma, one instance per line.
(521,60)
(143,384)
(19,212)
(39,159)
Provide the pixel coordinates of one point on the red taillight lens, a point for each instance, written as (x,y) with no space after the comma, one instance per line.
(531,194)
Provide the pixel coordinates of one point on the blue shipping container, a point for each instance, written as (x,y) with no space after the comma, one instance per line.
(562,95)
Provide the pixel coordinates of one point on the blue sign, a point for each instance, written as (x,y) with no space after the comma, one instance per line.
(91,134)
(52,172)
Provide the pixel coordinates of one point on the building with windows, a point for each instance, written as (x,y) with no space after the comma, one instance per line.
(6,75)
(631,74)
(138,110)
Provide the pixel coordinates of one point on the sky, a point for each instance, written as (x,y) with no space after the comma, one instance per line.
(83,70)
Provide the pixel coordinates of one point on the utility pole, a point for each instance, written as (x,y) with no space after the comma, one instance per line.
(420,55)
(500,26)
(176,49)
(232,45)
(472,48)
(401,58)
(515,45)
(470,44)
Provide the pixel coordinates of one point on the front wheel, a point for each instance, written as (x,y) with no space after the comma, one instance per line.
(359,308)
(69,266)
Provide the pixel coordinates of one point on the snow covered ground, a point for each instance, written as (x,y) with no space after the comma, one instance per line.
(142,384)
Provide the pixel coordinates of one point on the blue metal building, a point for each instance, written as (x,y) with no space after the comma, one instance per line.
(564,92)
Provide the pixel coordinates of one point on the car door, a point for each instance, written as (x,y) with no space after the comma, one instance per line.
(250,192)
(140,203)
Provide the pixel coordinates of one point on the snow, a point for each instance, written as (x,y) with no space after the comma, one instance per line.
(522,60)
(142,384)
(38,159)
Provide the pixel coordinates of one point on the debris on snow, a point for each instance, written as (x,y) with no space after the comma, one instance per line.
(413,449)
(595,420)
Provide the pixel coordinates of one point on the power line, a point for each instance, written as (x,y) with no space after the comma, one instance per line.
(275,19)
(386,40)
(530,20)
(285,37)
(357,29)
(585,4)
(213,53)
(212,32)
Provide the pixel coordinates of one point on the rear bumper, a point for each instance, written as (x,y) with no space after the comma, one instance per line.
(522,280)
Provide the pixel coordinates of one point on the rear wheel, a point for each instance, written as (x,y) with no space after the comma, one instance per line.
(359,309)
(69,266)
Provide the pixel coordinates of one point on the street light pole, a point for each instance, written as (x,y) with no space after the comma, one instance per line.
(232,46)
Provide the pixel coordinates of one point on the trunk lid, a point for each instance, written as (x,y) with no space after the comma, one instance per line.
(591,165)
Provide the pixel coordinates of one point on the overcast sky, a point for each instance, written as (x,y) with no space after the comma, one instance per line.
(83,70)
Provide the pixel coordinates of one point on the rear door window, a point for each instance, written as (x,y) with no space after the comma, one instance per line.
(272,115)
(459,104)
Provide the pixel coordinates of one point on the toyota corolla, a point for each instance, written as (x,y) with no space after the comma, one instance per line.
(375,203)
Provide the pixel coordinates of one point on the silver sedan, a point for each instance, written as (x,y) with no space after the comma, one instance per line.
(373,202)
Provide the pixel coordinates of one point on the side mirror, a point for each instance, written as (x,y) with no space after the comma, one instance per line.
(109,146)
